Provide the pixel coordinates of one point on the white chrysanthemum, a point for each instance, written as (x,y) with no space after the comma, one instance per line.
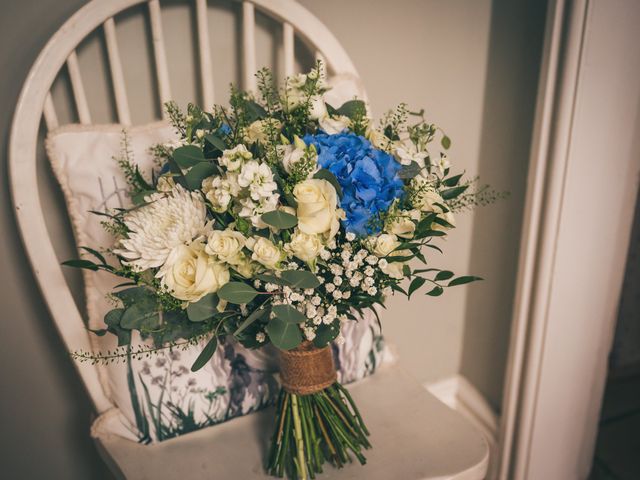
(168,220)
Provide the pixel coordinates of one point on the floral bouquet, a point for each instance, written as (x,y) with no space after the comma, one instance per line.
(278,219)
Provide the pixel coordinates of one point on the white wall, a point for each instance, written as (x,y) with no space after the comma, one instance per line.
(471,64)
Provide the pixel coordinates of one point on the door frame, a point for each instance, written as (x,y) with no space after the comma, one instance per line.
(557,360)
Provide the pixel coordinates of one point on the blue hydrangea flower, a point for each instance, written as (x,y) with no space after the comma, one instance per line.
(368,177)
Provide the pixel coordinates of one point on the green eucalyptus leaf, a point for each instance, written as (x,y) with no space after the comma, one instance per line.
(80,263)
(288,314)
(140,317)
(436,292)
(352,108)
(237,292)
(446,142)
(463,280)
(284,335)
(257,314)
(198,173)
(300,279)
(206,354)
(136,296)
(453,192)
(279,219)
(203,309)
(452,181)
(95,253)
(216,141)
(324,174)
(416,283)
(409,171)
(254,111)
(325,334)
(443,275)
(265,277)
(188,156)
(112,317)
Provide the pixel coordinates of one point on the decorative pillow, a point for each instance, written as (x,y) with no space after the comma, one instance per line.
(159,396)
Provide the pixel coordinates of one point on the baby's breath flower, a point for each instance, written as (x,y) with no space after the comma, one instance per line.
(315,300)
(330,287)
(270,287)
(372,291)
(372,259)
(260,337)
(369,271)
(337,281)
(337,294)
(350,236)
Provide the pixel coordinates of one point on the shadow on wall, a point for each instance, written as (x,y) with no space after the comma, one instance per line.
(512,79)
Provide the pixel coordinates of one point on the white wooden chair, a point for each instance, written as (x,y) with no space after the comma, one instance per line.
(414,435)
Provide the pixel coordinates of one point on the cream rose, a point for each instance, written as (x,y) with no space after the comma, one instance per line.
(394,269)
(403,224)
(317,210)
(265,252)
(428,200)
(189,273)
(383,244)
(304,246)
(225,245)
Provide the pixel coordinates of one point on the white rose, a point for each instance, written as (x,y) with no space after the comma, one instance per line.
(394,269)
(403,224)
(383,244)
(428,200)
(334,125)
(233,159)
(265,252)
(189,273)
(304,246)
(225,245)
(317,210)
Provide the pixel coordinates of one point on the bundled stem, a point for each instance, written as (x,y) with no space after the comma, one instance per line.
(317,427)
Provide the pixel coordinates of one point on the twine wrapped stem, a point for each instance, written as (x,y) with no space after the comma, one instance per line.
(307,369)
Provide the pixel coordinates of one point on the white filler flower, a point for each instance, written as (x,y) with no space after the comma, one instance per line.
(156,228)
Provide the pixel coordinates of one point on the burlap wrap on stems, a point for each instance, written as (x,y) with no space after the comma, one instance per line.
(307,369)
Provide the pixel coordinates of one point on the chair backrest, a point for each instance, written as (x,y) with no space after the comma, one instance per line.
(37,103)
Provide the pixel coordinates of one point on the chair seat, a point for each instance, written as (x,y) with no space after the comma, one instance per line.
(414,437)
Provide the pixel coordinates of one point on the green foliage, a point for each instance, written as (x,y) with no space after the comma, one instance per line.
(283,334)
(206,354)
(300,279)
(237,292)
(279,219)
(203,309)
